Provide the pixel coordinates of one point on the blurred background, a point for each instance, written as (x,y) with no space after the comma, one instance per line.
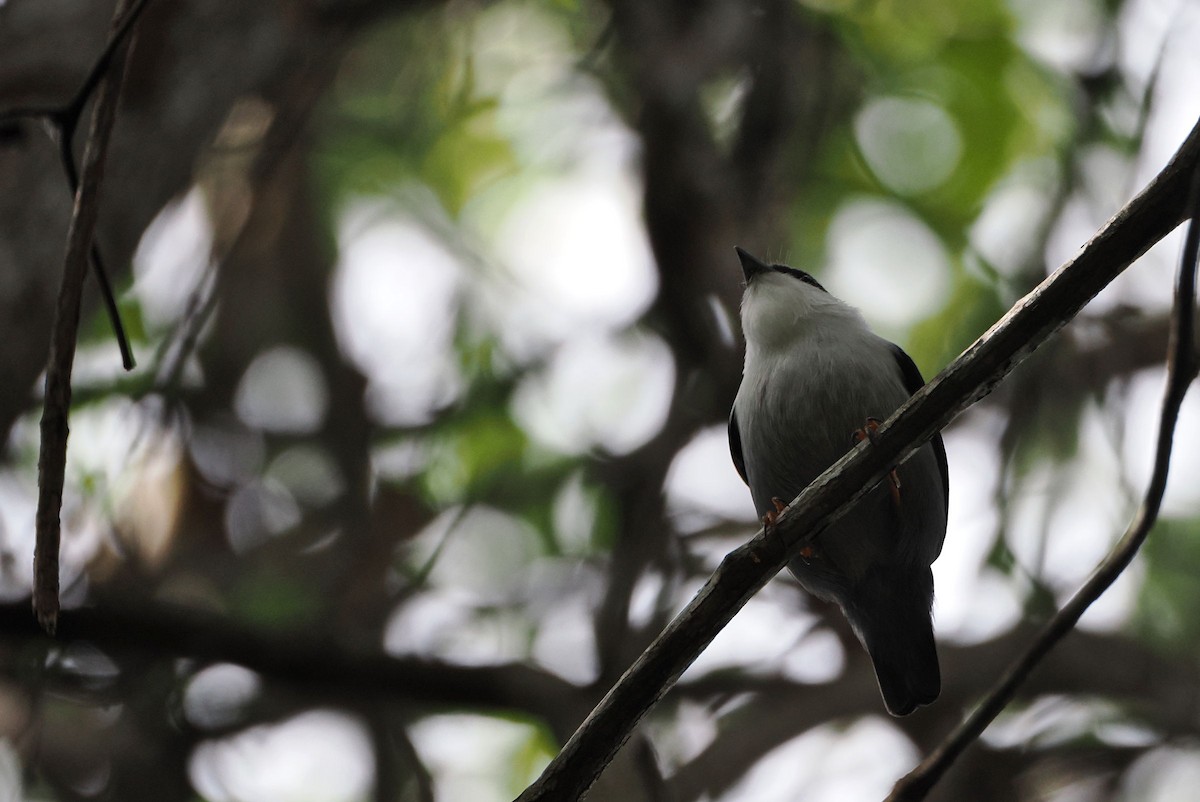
(435,305)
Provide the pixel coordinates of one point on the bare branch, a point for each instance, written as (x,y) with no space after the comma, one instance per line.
(1145,220)
(1181,369)
(53,457)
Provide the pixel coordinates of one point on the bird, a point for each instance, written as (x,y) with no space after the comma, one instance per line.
(816,380)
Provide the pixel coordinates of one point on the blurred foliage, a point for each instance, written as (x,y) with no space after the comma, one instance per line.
(1170,595)
(451,119)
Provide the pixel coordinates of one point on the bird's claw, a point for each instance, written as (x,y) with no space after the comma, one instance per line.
(868,432)
(807,552)
(771,516)
(871,432)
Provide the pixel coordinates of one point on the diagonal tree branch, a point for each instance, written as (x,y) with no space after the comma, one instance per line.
(1181,369)
(52,459)
(1154,213)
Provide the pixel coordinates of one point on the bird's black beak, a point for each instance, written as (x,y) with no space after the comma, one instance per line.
(751,266)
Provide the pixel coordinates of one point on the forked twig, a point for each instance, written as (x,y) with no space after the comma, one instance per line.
(63,121)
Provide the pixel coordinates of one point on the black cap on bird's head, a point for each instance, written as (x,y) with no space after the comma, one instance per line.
(753,266)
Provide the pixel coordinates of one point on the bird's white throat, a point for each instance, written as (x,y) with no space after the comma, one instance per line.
(778,310)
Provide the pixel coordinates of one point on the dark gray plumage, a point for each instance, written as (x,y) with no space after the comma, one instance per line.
(814,374)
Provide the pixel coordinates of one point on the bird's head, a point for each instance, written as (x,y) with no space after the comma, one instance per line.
(781,301)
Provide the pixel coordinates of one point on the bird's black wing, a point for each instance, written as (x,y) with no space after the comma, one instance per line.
(913,382)
(735,447)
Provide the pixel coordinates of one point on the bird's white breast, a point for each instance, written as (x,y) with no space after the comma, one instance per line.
(813,375)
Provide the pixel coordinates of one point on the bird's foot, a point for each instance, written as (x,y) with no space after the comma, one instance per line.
(807,552)
(868,432)
(871,432)
(771,516)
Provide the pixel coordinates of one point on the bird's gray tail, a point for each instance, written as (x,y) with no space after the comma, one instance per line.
(890,611)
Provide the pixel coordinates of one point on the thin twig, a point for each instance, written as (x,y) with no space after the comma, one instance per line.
(53,457)
(111,308)
(1145,220)
(62,122)
(172,355)
(67,120)
(1181,369)
(122,30)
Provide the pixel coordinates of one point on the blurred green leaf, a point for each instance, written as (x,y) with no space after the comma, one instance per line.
(973,306)
(464,158)
(473,455)
(269,600)
(1170,595)
(532,755)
